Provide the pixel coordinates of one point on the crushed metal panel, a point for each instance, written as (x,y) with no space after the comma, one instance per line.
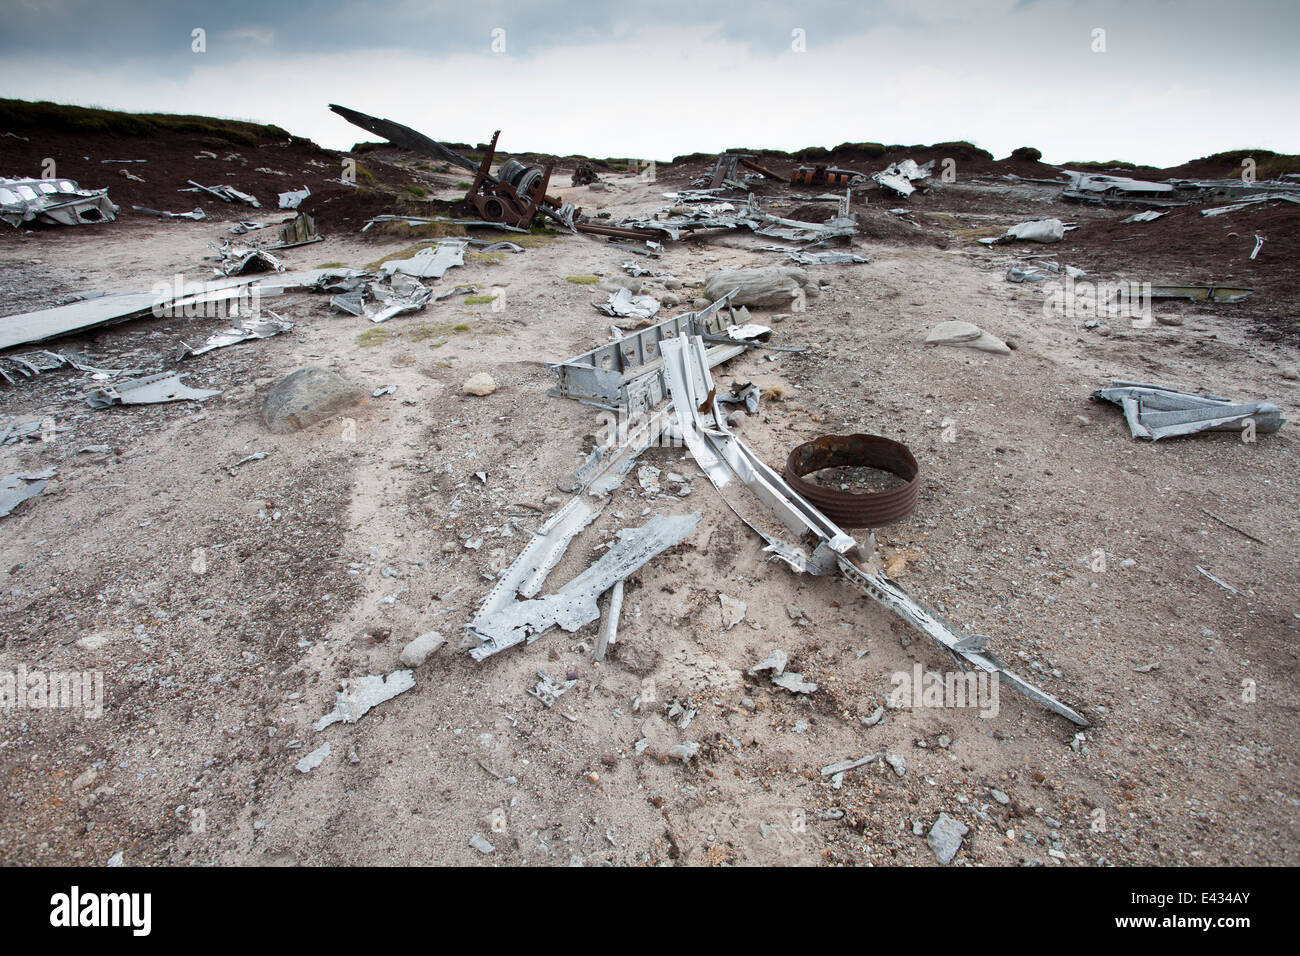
(293,199)
(575,604)
(58,202)
(623,304)
(430,263)
(241,332)
(151,390)
(1154,412)
(17,488)
(826,258)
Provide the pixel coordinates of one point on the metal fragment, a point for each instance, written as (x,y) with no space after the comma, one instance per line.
(356,699)
(574,604)
(151,390)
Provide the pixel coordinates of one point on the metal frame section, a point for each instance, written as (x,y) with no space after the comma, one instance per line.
(574,605)
(528,572)
(627,375)
(721,455)
(969,648)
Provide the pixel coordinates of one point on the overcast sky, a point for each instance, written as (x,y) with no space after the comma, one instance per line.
(1165,81)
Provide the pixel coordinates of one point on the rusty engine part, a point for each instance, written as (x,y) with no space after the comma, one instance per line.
(824,176)
(514,195)
(847,508)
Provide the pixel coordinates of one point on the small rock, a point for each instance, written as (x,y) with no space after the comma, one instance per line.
(897,762)
(417,652)
(967,335)
(479,384)
(480,843)
(945,838)
(1000,797)
(684,752)
(733,611)
(85,779)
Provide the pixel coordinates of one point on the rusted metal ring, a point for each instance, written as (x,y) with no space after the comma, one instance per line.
(847,508)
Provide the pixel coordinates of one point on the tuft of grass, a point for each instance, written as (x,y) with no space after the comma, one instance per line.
(374,336)
(464,184)
(330,265)
(411,189)
(427,230)
(582,280)
(943,218)
(364,175)
(486,258)
(479,299)
(461,327)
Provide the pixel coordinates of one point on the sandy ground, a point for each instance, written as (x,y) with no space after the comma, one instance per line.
(223,605)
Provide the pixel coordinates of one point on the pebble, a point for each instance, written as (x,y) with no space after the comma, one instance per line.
(417,651)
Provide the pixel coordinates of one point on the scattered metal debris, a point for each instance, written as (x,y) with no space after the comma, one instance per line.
(17,488)
(151,390)
(198,215)
(548,691)
(294,198)
(59,202)
(1219,581)
(227,194)
(1154,412)
(29,364)
(258,328)
(356,699)
(723,456)
(314,759)
(574,604)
